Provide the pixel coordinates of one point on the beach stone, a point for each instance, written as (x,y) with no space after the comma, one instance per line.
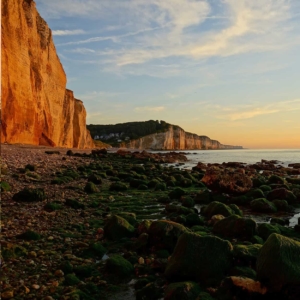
(235,226)
(278,262)
(238,287)
(187,290)
(265,230)
(226,180)
(117,227)
(177,193)
(188,202)
(202,258)
(217,208)
(262,205)
(275,179)
(281,194)
(119,267)
(30,195)
(164,234)
(281,205)
(7,294)
(246,253)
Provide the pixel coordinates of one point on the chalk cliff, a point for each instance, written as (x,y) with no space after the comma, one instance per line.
(175,138)
(36,107)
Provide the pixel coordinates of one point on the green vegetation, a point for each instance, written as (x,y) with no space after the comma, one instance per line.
(130,130)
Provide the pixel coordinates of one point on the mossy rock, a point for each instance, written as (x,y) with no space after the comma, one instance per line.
(282,194)
(95,250)
(257,240)
(52,206)
(246,253)
(87,270)
(188,202)
(29,235)
(265,230)
(255,193)
(217,208)
(164,234)
(74,204)
(91,188)
(96,179)
(202,258)
(129,217)
(258,181)
(235,226)
(186,182)
(160,187)
(164,199)
(265,188)
(118,186)
(135,183)
(236,209)
(61,180)
(279,221)
(30,195)
(119,267)
(187,290)
(177,193)
(275,179)
(5,187)
(152,183)
(71,279)
(9,250)
(181,210)
(281,205)
(31,167)
(278,262)
(143,187)
(117,228)
(263,205)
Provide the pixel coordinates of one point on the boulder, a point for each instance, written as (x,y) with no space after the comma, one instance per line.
(117,228)
(227,180)
(164,234)
(282,194)
(263,205)
(217,208)
(278,262)
(202,258)
(265,230)
(235,226)
(30,195)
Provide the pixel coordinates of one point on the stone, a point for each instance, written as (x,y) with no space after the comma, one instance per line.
(117,228)
(262,205)
(202,258)
(278,262)
(235,226)
(164,234)
(217,208)
(7,294)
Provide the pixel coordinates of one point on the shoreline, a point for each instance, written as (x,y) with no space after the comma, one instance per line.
(118,209)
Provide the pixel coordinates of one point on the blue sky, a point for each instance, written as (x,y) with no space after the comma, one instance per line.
(228,69)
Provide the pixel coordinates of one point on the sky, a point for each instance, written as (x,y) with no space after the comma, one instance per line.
(227,69)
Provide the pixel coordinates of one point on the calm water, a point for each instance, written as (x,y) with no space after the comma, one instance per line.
(284,156)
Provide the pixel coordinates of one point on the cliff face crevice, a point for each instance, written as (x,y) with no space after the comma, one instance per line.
(176,139)
(36,107)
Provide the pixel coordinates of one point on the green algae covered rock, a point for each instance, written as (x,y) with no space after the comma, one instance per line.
(282,194)
(119,267)
(164,234)
(187,290)
(203,258)
(246,253)
(118,186)
(243,272)
(235,226)
(278,262)
(263,205)
(217,208)
(30,195)
(91,188)
(176,193)
(5,187)
(265,230)
(281,205)
(117,228)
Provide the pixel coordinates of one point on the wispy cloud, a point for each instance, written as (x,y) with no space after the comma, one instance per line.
(81,51)
(148,108)
(254,110)
(99,95)
(68,32)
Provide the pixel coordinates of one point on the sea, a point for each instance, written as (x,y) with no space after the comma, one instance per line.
(248,156)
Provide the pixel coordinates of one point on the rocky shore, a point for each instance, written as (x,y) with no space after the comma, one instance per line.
(125,225)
